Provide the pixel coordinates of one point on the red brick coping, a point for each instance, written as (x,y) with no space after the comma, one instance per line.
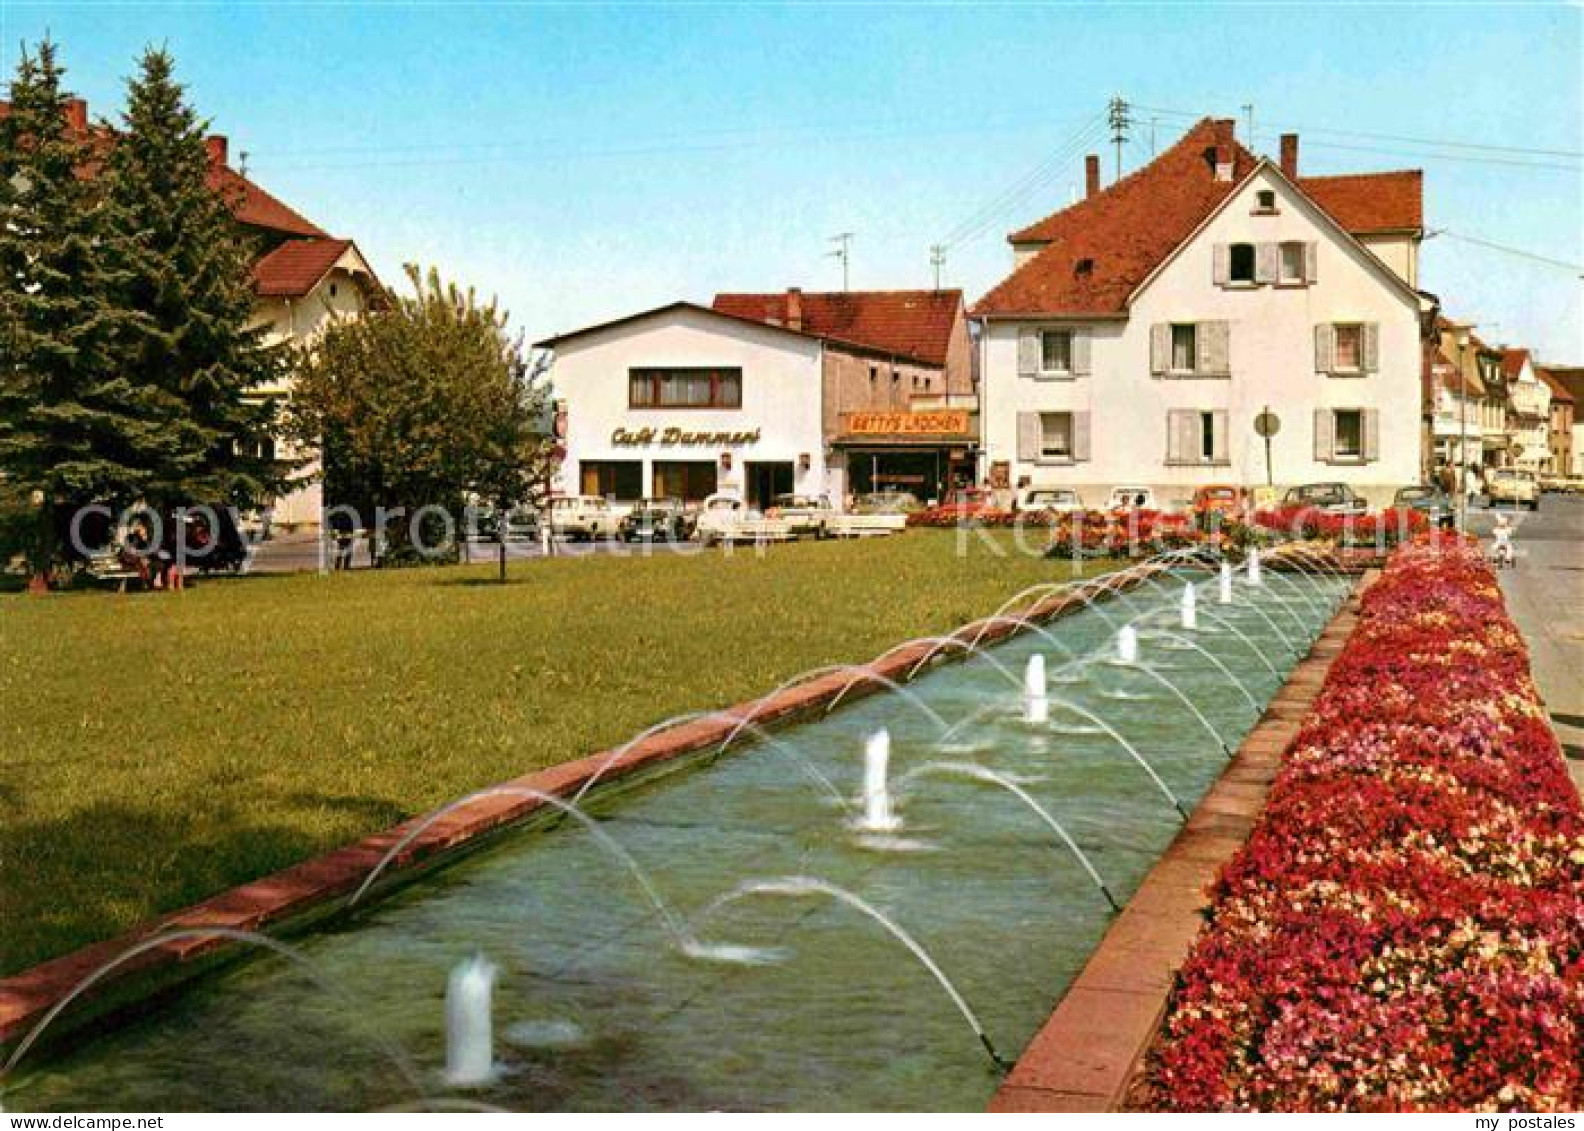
(1087,1053)
(314,889)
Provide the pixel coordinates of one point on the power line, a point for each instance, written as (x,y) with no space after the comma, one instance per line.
(1442,143)
(1513,251)
(988,214)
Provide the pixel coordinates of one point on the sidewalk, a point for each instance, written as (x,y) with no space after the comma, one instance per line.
(1545,596)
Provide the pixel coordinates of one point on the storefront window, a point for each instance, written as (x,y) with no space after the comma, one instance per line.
(689,480)
(684,388)
(612,478)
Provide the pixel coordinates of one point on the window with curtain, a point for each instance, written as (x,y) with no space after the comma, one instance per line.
(684,388)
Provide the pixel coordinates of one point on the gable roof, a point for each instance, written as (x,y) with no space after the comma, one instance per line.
(1512,362)
(1566,381)
(1097,251)
(296,267)
(915,324)
(253,206)
(679,305)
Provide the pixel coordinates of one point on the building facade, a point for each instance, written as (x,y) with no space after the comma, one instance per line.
(1528,401)
(1567,430)
(1148,325)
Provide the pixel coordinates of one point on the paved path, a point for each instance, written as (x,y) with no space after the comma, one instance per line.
(1545,595)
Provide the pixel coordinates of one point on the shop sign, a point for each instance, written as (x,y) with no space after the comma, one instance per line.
(679,437)
(933,423)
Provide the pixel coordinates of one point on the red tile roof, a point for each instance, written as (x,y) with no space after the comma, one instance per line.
(258,209)
(1512,362)
(1368,203)
(1567,382)
(916,324)
(295,267)
(1098,250)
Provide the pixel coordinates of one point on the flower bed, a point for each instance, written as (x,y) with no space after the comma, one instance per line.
(1405,927)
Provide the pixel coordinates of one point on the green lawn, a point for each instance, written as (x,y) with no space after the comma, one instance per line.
(158,748)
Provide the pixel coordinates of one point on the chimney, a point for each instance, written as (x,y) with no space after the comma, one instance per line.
(794,309)
(1091,175)
(216,145)
(77,115)
(1223,162)
(1289,155)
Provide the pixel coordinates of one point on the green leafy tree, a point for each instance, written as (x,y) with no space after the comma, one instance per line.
(426,403)
(76,427)
(188,275)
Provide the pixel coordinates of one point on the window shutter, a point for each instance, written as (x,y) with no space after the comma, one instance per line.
(1219,440)
(1160,347)
(1267,257)
(1174,430)
(1080,435)
(1190,442)
(1311,253)
(1212,344)
(1028,351)
(1371,435)
(1371,347)
(1028,436)
(1080,352)
(1222,269)
(1324,435)
(1325,347)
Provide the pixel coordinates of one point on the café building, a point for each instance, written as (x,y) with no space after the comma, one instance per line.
(760,395)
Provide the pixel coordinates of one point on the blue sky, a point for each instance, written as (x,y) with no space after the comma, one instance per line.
(583,161)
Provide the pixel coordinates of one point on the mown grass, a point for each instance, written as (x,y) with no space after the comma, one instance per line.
(158,748)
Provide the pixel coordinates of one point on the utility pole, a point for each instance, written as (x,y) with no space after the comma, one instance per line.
(937,261)
(1117,119)
(843,252)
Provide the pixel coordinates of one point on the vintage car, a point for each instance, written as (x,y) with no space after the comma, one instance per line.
(880,512)
(968,502)
(1515,486)
(1432,502)
(586,517)
(657,520)
(1059,500)
(1223,499)
(1131,499)
(1332,498)
(726,518)
(887,503)
(807,516)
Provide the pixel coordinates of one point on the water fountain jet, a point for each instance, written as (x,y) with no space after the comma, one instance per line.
(1036,700)
(1190,608)
(878,816)
(1254,577)
(1127,645)
(470,1037)
(1226,583)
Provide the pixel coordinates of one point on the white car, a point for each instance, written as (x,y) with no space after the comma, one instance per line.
(1061,500)
(725,518)
(805,515)
(586,517)
(1131,499)
(1515,486)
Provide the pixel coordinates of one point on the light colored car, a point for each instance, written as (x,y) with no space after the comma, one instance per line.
(805,515)
(1515,486)
(726,518)
(586,517)
(1332,498)
(1061,500)
(1131,499)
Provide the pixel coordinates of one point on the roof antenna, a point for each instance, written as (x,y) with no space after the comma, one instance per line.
(1117,119)
(843,252)
(242,165)
(937,261)
(1248,112)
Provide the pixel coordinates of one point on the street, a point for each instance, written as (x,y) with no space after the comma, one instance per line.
(1545,596)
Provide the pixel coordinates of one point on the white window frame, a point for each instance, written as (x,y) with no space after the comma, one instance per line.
(1299,277)
(1051,333)
(1057,457)
(1193,348)
(1337,454)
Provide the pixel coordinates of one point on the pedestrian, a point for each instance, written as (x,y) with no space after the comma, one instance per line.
(1501,535)
(1471,486)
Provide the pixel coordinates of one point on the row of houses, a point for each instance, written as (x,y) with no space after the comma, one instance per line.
(1140,333)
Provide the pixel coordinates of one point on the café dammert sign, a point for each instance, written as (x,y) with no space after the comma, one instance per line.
(679,437)
(938,423)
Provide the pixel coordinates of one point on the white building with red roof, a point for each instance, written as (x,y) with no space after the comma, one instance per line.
(1145,327)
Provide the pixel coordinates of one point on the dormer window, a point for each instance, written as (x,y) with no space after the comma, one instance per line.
(1240,266)
(1265,202)
(1084,267)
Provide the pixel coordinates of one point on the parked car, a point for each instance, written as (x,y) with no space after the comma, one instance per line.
(657,520)
(968,502)
(726,518)
(586,517)
(1057,499)
(522,525)
(1131,499)
(1333,498)
(1430,501)
(1223,499)
(1514,485)
(805,515)
(887,502)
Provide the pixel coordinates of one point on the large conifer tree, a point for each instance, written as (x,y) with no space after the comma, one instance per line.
(75,427)
(189,277)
